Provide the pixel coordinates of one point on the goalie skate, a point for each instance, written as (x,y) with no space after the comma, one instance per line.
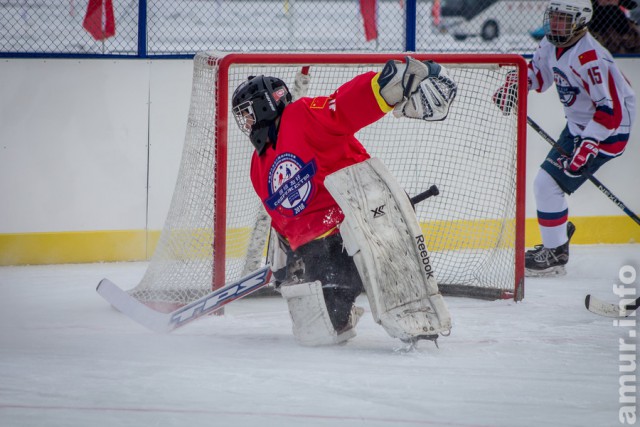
(381,232)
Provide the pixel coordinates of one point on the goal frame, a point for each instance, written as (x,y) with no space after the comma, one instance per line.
(223,61)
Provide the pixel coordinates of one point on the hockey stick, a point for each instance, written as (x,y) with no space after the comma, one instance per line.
(586,173)
(166,322)
(432,191)
(606,309)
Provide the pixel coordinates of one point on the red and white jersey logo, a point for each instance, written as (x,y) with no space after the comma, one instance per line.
(290,184)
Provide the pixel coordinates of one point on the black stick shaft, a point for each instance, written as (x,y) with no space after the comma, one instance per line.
(633,305)
(432,191)
(586,173)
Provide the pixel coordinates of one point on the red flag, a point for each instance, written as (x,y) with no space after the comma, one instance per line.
(588,56)
(94,23)
(435,12)
(368,10)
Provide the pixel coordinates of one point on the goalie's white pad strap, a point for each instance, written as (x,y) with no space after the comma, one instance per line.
(257,240)
(276,254)
(311,323)
(381,232)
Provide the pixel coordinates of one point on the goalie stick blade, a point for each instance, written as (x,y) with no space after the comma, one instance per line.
(606,309)
(166,322)
(131,307)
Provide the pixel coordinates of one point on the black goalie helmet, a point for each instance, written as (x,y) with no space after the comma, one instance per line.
(256,104)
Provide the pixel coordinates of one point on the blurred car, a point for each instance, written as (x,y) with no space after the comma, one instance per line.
(488,19)
(538,33)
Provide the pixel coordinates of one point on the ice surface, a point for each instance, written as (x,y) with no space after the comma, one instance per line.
(68,359)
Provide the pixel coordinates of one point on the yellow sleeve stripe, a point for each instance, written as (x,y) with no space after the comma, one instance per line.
(375,86)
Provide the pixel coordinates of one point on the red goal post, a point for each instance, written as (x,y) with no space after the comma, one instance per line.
(216,229)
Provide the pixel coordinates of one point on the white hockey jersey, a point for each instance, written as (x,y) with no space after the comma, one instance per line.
(598,101)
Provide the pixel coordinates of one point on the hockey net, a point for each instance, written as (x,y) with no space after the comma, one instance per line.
(216,229)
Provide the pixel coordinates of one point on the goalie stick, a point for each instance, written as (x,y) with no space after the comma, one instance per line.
(432,191)
(166,322)
(606,309)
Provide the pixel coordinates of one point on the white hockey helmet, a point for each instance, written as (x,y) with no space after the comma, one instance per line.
(565,20)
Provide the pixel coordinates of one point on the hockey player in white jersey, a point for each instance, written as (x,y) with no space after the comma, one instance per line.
(599,105)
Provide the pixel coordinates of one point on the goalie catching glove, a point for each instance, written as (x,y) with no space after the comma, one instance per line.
(418,90)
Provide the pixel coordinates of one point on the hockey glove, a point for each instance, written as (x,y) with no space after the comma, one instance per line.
(432,100)
(398,81)
(505,97)
(585,152)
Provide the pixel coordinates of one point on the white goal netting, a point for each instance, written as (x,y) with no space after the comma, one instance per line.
(474,228)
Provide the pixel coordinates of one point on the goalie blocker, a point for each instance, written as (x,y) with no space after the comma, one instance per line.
(388,249)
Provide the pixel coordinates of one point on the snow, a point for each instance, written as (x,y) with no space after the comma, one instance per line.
(68,359)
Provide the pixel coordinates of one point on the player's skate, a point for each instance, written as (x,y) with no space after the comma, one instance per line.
(547,262)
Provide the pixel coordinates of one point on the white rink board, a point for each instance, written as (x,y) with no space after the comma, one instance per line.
(73,144)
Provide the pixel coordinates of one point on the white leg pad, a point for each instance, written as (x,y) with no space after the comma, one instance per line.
(311,323)
(384,237)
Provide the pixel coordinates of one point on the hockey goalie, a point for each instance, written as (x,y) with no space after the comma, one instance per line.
(341,224)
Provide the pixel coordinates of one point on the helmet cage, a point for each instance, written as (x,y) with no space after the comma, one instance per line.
(256,104)
(565,19)
(245,116)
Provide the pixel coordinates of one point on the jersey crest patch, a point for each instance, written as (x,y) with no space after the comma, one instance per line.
(567,93)
(290,184)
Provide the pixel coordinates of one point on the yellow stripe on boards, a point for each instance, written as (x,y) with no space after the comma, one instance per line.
(591,230)
(467,234)
(73,247)
(136,245)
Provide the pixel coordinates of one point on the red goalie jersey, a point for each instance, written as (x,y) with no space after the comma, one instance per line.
(315,139)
